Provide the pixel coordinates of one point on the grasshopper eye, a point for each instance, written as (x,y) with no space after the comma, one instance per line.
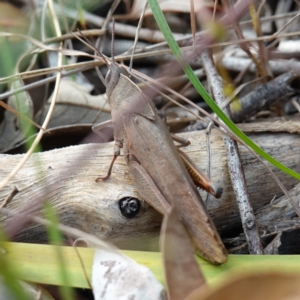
(108,77)
(129,207)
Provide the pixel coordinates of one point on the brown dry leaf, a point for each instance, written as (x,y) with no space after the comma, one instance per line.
(275,286)
(75,105)
(71,92)
(182,273)
(182,6)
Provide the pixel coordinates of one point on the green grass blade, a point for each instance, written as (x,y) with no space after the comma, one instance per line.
(8,272)
(164,27)
(40,264)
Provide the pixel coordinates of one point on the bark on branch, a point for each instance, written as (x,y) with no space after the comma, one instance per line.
(68,176)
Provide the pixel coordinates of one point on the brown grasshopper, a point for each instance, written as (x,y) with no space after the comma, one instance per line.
(157,167)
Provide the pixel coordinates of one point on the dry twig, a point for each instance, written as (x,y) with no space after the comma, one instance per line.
(236,170)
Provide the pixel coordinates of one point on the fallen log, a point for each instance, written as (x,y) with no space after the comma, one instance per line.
(66,177)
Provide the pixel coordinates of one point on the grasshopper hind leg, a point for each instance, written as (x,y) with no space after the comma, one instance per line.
(182,142)
(199,178)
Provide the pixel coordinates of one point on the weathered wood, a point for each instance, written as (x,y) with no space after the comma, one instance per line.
(67,177)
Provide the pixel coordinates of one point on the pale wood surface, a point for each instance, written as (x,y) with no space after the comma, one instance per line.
(67,178)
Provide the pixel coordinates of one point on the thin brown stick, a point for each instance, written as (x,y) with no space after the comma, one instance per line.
(193,23)
(82,264)
(46,71)
(138,29)
(234,164)
(264,61)
(245,46)
(17,113)
(9,197)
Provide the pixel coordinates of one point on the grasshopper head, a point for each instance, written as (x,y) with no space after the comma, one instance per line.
(112,78)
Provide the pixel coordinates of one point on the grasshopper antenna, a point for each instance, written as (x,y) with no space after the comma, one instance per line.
(113,42)
(137,37)
(88,43)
